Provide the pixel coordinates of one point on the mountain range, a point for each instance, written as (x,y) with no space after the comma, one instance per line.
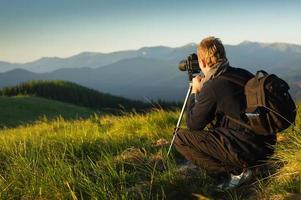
(152,72)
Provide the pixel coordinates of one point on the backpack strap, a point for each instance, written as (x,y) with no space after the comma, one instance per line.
(234,79)
(241,82)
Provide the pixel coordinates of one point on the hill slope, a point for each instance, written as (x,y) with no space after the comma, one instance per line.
(26,109)
(109,157)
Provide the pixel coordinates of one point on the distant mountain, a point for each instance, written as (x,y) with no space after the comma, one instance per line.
(277,45)
(14,76)
(277,57)
(5,66)
(296,90)
(135,78)
(95,60)
(87,59)
(152,72)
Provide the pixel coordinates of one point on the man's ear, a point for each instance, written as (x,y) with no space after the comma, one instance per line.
(204,63)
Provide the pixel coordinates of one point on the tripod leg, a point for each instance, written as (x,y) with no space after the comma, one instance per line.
(180,118)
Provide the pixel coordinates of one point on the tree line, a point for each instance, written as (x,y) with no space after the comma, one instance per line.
(69,92)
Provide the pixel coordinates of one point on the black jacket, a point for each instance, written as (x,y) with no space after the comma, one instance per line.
(217,98)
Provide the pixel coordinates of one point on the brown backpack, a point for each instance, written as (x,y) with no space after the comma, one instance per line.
(269,106)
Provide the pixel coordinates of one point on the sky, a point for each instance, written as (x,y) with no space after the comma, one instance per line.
(31,29)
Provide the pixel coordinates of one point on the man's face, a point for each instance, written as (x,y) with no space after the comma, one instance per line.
(201,63)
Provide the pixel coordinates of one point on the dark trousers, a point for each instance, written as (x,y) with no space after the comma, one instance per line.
(208,151)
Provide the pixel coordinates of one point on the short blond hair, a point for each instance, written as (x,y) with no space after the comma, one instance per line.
(211,50)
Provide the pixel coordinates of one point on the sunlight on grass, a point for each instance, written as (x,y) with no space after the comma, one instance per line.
(112,157)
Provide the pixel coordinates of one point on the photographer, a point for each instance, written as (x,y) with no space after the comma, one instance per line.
(226,147)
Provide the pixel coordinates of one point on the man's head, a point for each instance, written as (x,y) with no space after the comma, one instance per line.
(210,51)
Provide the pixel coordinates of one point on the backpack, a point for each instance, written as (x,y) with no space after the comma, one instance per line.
(269,106)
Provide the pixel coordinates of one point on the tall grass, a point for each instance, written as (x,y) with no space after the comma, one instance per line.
(112,157)
(286,182)
(79,159)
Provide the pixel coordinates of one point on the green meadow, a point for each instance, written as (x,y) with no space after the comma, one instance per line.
(74,153)
(18,110)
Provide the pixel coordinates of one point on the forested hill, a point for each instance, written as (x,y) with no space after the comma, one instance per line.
(73,93)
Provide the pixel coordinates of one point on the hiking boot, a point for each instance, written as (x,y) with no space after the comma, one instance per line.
(236,180)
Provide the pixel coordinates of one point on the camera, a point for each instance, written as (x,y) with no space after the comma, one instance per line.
(191,65)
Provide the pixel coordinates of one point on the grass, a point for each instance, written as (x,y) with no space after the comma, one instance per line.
(113,157)
(19,110)
(286,183)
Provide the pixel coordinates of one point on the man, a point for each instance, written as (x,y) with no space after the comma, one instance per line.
(226,147)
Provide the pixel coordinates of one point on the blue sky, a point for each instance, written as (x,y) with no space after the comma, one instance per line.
(31,29)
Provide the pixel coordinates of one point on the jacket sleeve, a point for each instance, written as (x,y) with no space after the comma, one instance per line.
(201,108)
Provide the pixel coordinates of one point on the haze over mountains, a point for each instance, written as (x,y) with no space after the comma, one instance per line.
(152,72)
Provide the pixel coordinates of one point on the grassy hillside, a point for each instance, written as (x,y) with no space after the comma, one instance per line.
(110,157)
(25,109)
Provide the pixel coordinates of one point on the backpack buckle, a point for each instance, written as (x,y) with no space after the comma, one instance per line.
(252,115)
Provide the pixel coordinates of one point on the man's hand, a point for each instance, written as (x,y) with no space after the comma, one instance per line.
(196,84)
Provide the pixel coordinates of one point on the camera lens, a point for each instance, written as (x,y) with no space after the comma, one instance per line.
(183,65)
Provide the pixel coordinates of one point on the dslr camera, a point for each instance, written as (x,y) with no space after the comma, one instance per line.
(191,65)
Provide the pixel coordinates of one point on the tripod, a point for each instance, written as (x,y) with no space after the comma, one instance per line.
(180,117)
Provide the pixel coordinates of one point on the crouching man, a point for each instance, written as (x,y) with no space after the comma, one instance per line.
(226,147)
